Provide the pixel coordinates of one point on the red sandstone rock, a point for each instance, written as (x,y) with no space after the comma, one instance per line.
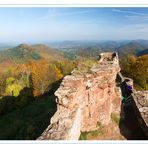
(82,101)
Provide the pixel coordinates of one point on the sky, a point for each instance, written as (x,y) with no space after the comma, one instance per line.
(57,24)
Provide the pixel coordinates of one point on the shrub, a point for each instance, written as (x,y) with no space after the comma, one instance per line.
(83,136)
(115,118)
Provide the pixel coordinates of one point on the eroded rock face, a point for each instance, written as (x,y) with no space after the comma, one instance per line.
(141,100)
(83,100)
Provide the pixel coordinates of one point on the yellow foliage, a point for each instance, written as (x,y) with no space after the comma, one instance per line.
(14,89)
(10,80)
(137,69)
(59,75)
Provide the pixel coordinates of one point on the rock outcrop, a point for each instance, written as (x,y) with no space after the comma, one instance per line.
(83,100)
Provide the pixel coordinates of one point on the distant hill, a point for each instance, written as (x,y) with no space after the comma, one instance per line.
(143,52)
(21,53)
(92,48)
(130,48)
(48,52)
(42,48)
(5,46)
(24,52)
(72,49)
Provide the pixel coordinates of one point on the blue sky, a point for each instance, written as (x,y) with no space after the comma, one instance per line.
(51,24)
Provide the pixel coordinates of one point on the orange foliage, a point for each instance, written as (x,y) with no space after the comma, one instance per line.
(43,75)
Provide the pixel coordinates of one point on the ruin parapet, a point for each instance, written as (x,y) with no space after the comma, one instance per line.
(85,100)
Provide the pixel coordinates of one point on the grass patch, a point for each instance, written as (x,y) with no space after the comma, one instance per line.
(93,133)
(96,133)
(83,136)
(115,118)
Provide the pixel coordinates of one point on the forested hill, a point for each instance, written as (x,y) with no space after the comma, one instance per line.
(143,52)
(24,52)
(35,67)
(130,48)
(135,47)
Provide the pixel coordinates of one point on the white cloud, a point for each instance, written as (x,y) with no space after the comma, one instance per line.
(53,12)
(136,17)
(132,15)
(129,12)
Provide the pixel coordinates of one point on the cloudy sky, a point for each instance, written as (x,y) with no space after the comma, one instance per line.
(51,24)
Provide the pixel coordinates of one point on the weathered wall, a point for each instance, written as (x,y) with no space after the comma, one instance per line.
(139,102)
(140,105)
(83,100)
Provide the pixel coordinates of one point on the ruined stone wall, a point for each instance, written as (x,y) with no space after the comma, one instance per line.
(140,105)
(139,101)
(83,100)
